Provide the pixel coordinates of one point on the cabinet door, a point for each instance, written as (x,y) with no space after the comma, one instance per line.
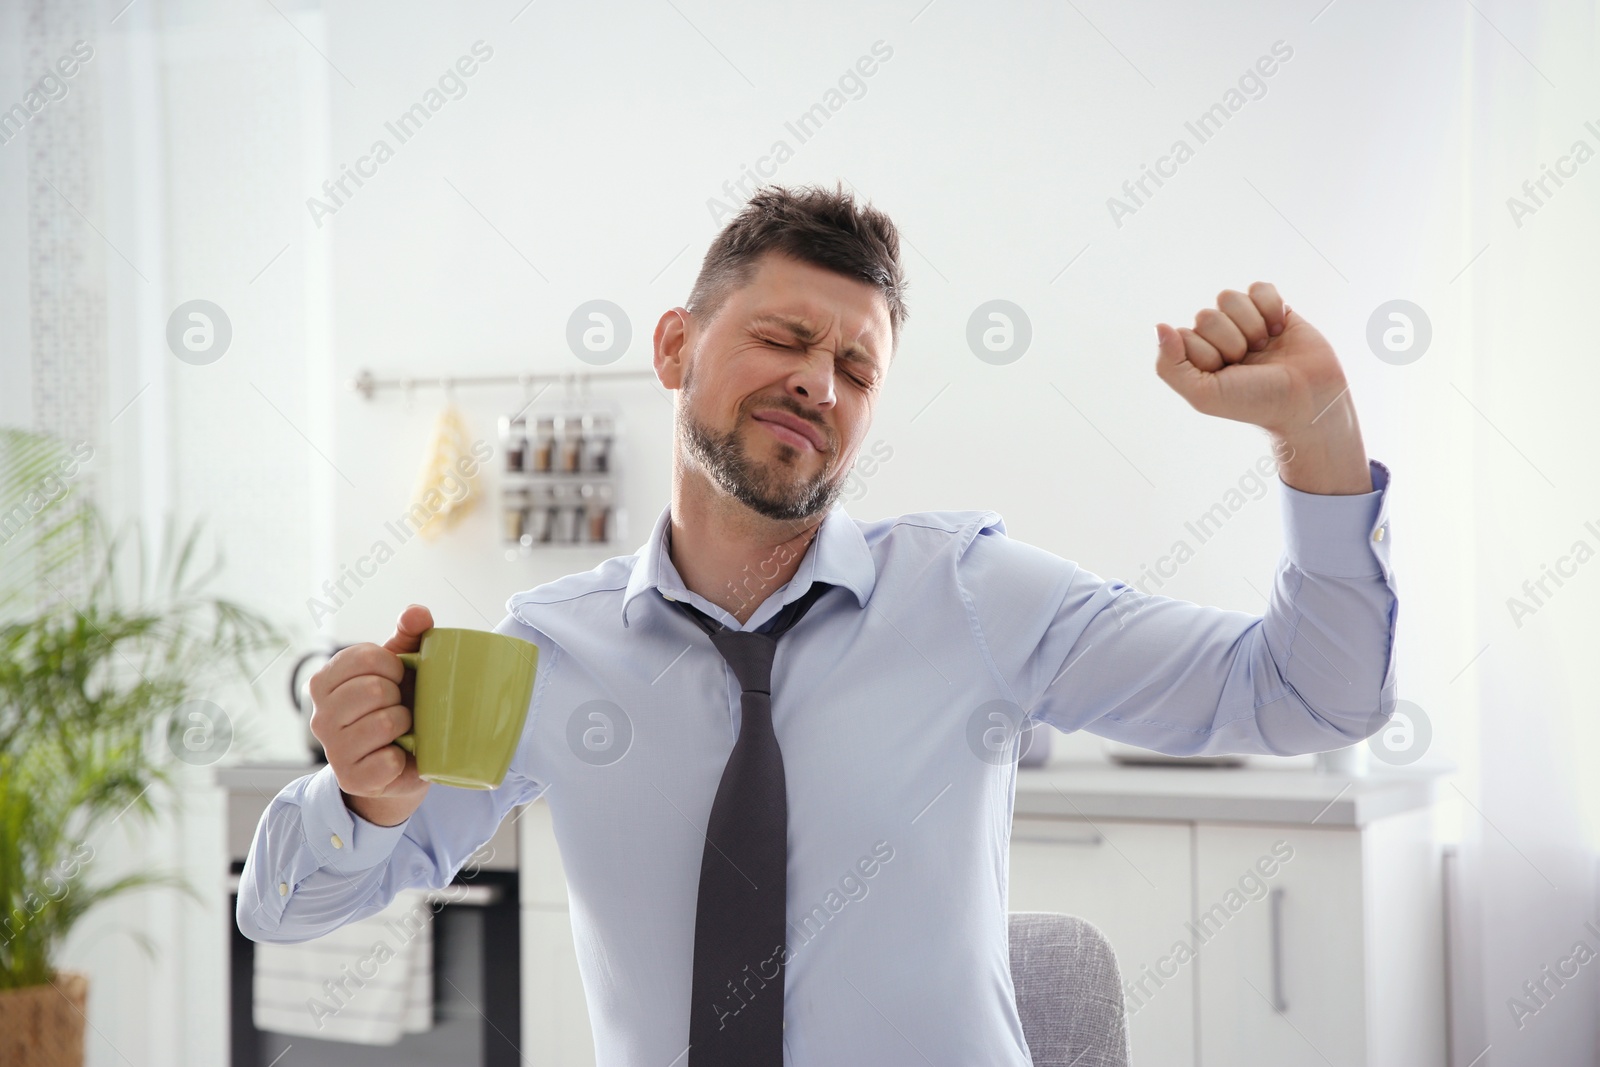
(1281,959)
(539,874)
(555,1019)
(1132,880)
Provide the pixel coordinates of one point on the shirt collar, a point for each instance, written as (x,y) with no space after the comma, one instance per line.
(838,555)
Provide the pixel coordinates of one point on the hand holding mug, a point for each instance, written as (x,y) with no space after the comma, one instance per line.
(357,715)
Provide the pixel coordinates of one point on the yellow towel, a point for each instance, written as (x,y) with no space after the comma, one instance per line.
(447,485)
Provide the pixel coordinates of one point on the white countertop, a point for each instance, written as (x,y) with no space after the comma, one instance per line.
(266,777)
(1221,794)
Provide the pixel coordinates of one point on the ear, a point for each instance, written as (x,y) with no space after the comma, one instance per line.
(672,335)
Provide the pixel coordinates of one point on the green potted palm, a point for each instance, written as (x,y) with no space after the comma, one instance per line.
(102,663)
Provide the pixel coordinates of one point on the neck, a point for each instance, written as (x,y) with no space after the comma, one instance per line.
(732,556)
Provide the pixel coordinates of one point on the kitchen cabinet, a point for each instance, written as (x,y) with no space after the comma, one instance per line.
(1309,905)
(555,1020)
(1250,931)
(1283,976)
(1137,879)
(555,1017)
(1345,963)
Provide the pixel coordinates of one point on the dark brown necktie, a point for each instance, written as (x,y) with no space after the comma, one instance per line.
(736,1007)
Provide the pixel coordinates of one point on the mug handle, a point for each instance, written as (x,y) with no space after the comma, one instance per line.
(408,741)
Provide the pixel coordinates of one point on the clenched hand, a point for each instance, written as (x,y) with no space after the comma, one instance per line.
(1252,359)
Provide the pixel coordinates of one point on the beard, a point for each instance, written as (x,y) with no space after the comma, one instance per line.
(767,487)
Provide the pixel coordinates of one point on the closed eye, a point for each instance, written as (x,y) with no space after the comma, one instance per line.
(856,378)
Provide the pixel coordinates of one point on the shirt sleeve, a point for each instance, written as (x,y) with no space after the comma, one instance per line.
(315,865)
(1315,672)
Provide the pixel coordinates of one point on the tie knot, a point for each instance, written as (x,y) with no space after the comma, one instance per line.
(750,652)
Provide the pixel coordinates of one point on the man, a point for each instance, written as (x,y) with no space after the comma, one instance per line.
(873,763)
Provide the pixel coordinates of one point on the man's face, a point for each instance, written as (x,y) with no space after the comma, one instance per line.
(798,341)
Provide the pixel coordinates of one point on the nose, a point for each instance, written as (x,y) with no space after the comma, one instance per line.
(811,380)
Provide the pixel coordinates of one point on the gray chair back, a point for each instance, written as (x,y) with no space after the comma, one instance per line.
(1069,992)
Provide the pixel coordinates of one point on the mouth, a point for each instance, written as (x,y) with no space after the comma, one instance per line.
(792,430)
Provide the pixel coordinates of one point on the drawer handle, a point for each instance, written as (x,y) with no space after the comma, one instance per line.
(1275,903)
(474,896)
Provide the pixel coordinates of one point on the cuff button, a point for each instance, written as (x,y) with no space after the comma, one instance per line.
(1379,535)
(336,842)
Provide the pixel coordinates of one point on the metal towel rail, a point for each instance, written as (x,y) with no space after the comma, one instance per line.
(473,896)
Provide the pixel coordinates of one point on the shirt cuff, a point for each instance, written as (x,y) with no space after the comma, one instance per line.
(342,841)
(1339,536)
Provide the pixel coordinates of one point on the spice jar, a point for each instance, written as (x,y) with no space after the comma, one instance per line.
(537,527)
(514,514)
(544,443)
(564,529)
(597,444)
(599,514)
(570,433)
(514,441)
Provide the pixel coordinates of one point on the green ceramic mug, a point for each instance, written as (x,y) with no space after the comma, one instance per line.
(472,695)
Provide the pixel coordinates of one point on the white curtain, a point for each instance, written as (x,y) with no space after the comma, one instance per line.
(1529,736)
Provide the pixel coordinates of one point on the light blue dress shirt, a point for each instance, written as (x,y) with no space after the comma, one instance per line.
(890,698)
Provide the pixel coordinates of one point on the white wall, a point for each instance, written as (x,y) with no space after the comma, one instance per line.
(579,165)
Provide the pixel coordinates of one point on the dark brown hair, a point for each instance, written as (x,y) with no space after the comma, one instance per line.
(811,224)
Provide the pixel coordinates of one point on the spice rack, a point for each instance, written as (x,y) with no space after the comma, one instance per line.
(558,483)
(558,475)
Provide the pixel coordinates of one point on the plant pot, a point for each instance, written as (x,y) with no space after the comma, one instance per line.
(42,1025)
